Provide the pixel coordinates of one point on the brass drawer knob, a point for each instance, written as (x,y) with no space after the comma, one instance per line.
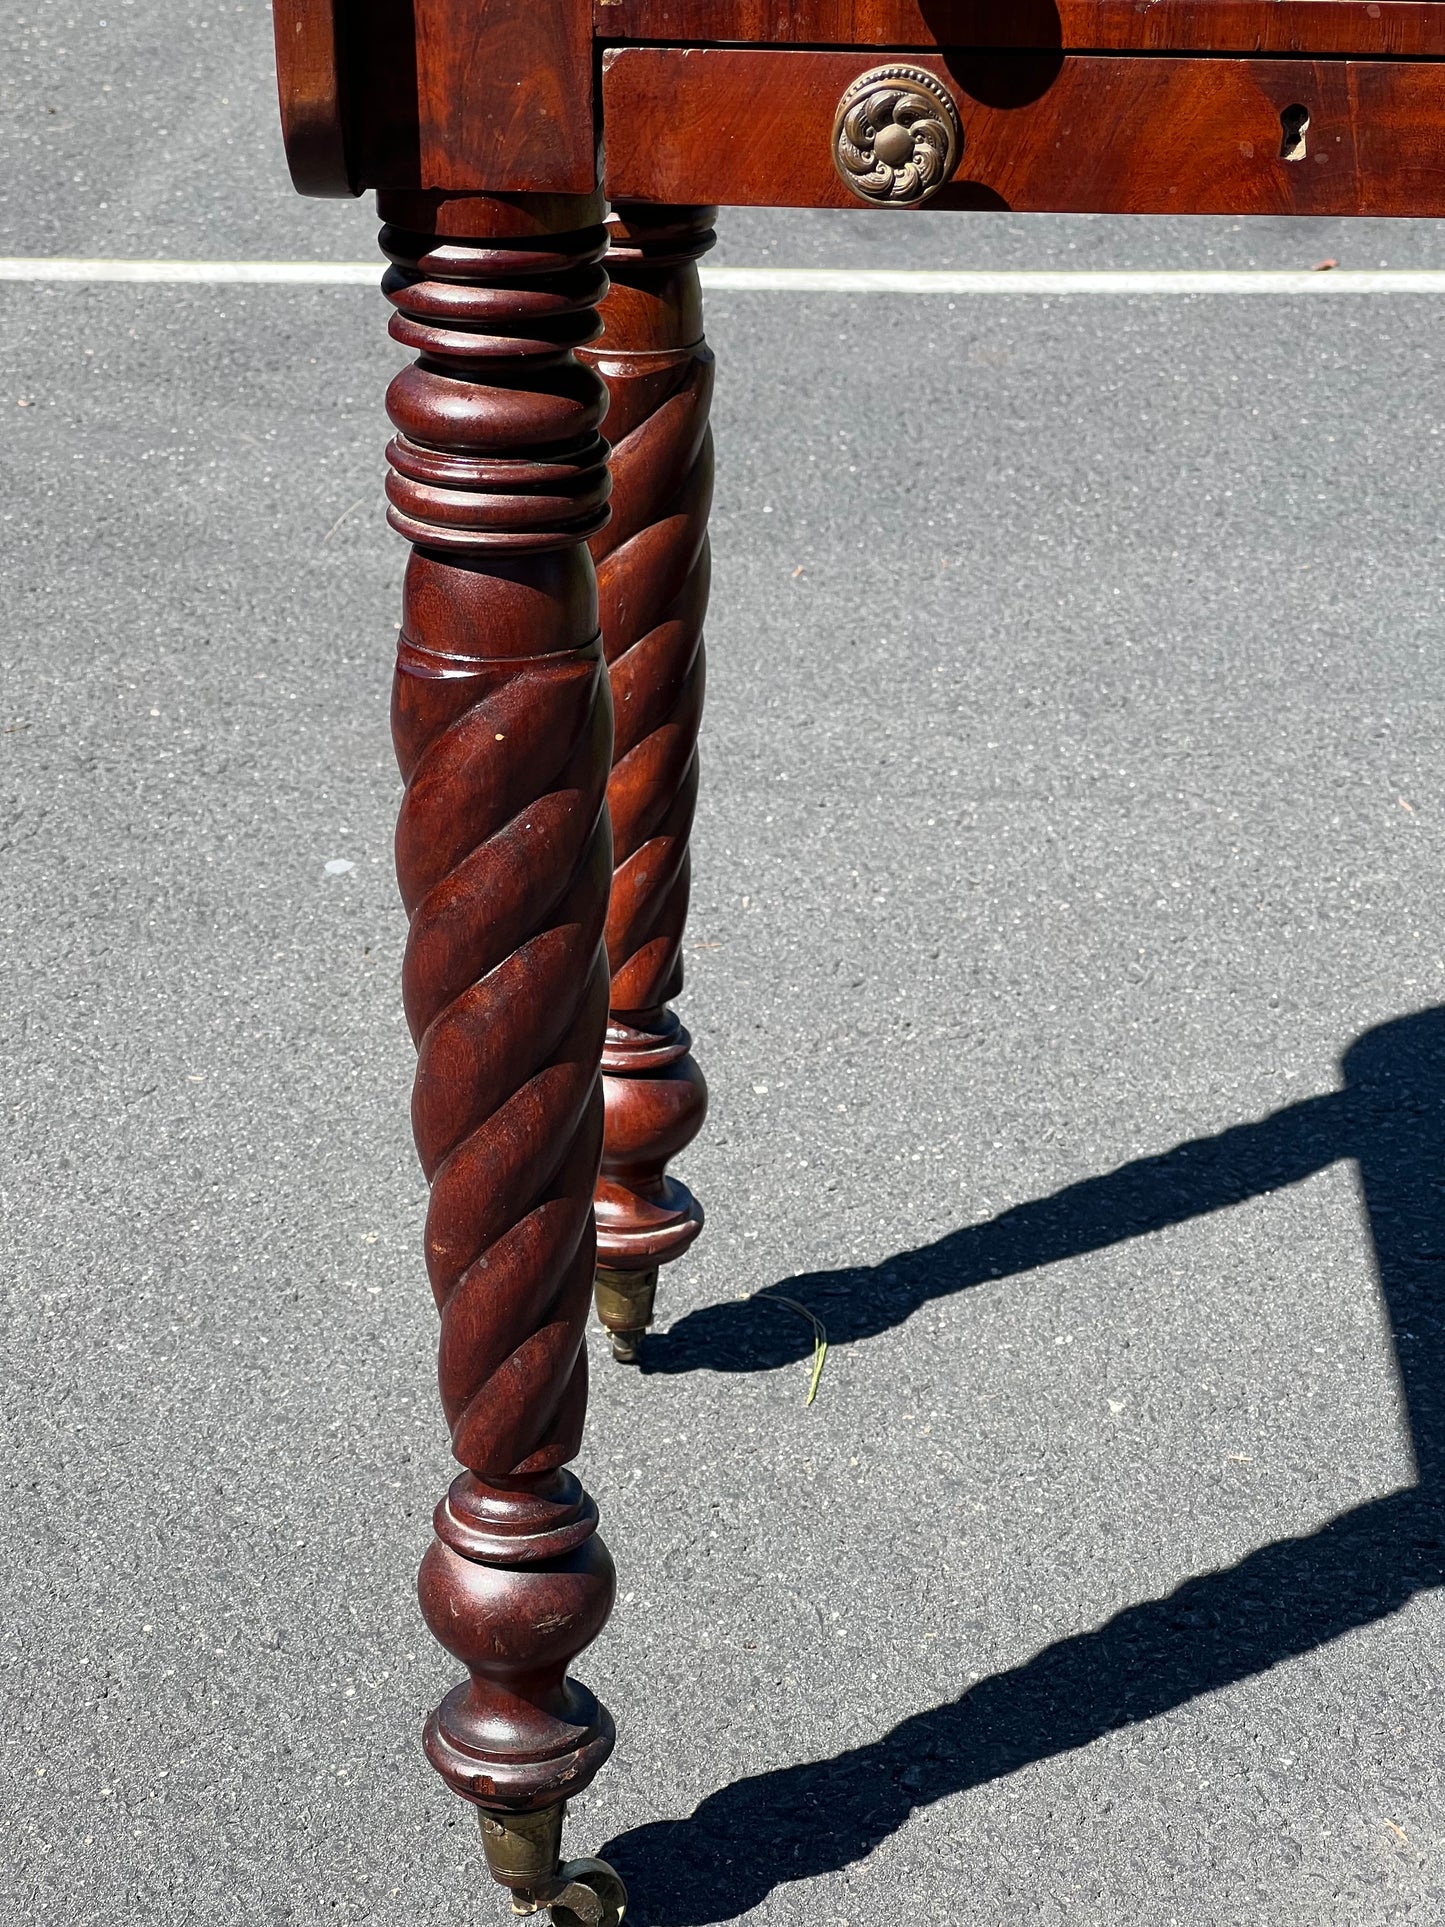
(896,136)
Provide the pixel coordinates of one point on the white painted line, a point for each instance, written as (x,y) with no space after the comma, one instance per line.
(1072,281)
(61,268)
(955,281)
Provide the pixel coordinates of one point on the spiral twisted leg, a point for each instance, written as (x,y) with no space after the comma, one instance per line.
(652,578)
(502,724)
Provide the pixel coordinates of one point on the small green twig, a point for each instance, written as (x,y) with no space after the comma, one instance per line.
(820,1335)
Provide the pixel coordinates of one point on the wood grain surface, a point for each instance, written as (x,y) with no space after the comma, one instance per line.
(444,94)
(502,719)
(1381,27)
(653,571)
(437,94)
(313,114)
(1042,132)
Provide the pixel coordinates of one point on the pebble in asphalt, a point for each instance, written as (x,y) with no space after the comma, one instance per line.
(1072,794)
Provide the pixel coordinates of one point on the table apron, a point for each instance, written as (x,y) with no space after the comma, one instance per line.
(1043,132)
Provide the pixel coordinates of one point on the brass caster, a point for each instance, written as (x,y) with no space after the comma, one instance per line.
(624,1304)
(522,1854)
(592,1895)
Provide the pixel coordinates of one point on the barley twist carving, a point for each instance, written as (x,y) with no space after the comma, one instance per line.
(653,567)
(502,724)
(502,855)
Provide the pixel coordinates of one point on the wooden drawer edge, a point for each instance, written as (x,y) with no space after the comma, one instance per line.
(1066,133)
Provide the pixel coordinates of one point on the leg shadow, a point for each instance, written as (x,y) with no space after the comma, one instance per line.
(1278,1603)
(1213,1631)
(1395,1074)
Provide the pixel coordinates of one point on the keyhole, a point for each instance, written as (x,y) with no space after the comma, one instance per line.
(1294,124)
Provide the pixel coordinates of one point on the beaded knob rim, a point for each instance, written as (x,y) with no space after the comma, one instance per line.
(897,137)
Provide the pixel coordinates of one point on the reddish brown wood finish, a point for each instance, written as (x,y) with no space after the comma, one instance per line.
(503,97)
(477,119)
(1081,134)
(1403,28)
(308,77)
(502,722)
(447,94)
(653,568)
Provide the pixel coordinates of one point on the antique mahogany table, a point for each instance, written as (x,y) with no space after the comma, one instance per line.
(550,669)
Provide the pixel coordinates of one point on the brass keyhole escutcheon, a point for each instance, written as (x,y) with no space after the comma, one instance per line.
(896,136)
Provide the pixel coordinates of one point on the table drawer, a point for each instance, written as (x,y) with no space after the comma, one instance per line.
(1047,132)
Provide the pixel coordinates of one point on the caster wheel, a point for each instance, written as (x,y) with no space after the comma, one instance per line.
(592,1895)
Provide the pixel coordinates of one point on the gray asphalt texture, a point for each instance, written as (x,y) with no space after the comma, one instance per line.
(1072,794)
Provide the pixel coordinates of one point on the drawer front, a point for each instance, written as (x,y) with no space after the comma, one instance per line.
(1042,133)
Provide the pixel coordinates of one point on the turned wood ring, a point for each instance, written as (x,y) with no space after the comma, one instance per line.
(896,136)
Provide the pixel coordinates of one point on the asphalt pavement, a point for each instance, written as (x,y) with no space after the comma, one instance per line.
(1065,963)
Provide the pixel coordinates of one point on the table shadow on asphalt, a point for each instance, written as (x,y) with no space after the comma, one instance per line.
(1283,1600)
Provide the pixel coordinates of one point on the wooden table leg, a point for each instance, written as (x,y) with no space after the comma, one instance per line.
(652,578)
(502,723)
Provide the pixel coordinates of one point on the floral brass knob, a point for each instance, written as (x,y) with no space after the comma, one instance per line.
(896,136)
